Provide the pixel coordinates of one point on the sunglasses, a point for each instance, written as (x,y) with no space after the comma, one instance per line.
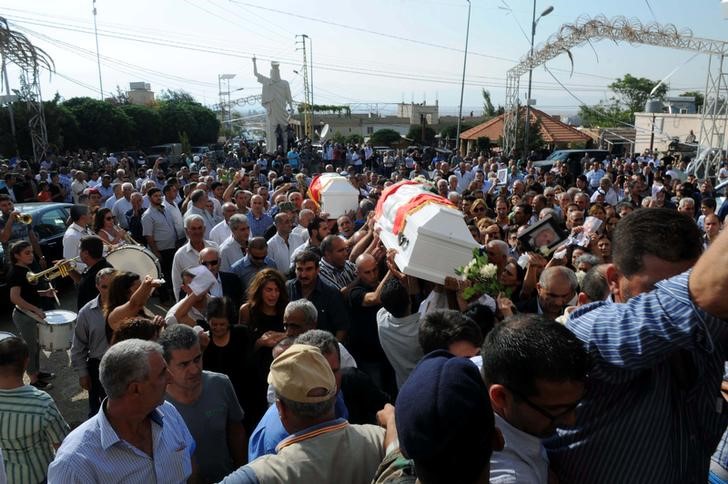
(211,262)
(109,218)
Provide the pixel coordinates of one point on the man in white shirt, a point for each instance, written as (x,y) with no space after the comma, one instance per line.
(115,196)
(80,218)
(123,205)
(78,185)
(188,255)
(235,247)
(170,193)
(535,370)
(221,231)
(198,206)
(282,245)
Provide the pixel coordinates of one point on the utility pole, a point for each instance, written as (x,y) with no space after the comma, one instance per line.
(98,55)
(308,106)
(462,85)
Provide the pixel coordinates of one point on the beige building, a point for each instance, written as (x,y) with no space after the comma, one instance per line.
(140,93)
(667,127)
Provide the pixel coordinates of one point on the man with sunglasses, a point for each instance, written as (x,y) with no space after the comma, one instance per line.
(535,370)
(228,284)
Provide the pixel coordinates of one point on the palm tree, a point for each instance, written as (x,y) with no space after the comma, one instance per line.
(15,48)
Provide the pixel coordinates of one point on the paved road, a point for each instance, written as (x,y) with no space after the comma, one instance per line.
(71,399)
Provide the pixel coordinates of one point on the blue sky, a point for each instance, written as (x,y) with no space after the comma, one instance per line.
(379,51)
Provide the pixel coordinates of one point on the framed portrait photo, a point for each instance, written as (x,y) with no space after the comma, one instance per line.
(542,237)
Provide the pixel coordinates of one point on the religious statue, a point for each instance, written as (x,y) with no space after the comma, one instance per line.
(276,97)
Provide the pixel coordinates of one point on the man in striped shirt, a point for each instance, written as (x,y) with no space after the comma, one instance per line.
(653,411)
(336,268)
(30,424)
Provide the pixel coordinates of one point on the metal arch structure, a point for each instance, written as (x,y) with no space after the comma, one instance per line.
(714,121)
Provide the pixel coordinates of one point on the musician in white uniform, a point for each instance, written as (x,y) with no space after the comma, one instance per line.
(80,218)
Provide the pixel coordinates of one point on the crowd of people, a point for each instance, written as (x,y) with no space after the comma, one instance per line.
(294,349)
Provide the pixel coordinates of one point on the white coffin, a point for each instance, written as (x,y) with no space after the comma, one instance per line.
(338,196)
(434,240)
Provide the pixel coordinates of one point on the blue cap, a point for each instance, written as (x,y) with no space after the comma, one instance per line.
(444,419)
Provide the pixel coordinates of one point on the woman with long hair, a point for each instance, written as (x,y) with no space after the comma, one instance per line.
(27,300)
(105,227)
(128,296)
(263,313)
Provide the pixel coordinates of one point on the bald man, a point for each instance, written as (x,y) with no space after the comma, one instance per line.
(258,220)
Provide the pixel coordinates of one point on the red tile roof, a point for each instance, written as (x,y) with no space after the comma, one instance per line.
(552,130)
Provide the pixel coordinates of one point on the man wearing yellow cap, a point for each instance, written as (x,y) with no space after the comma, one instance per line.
(320,447)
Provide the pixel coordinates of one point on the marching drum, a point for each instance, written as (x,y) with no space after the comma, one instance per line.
(56,332)
(136,259)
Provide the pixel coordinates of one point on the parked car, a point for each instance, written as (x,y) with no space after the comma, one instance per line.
(572,158)
(49,222)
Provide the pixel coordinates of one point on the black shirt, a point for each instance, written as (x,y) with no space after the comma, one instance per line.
(28,291)
(363,334)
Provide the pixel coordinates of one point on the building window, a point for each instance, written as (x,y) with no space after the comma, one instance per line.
(370,129)
(683,111)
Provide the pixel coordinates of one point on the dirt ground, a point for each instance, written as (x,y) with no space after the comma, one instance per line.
(71,399)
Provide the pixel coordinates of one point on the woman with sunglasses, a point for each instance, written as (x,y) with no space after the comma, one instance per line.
(27,300)
(105,227)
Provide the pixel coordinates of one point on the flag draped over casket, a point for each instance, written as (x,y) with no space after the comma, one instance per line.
(333,194)
(427,230)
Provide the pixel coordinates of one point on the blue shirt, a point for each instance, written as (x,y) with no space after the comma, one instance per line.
(270,431)
(94,452)
(245,269)
(258,226)
(653,411)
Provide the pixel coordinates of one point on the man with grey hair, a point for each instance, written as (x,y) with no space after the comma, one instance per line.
(90,341)
(222,231)
(282,245)
(188,255)
(116,195)
(555,290)
(497,251)
(235,247)
(687,206)
(304,218)
(306,388)
(123,205)
(207,403)
(136,436)
(198,206)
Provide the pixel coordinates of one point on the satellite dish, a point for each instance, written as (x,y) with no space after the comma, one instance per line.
(324,132)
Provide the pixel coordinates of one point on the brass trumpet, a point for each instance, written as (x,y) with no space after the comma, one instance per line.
(25,218)
(127,236)
(62,268)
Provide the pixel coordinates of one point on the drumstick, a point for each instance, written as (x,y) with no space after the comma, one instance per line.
(55,295)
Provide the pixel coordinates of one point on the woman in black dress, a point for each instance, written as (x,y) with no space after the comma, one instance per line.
(27,300)
(263,316)
(229,349)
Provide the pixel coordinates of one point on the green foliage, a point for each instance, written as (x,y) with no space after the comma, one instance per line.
(634,92)
(415,133)
(604,115)
(101,124)
(450,131)
(488,109)
(147,125)
(481,277)
(326,108)
(185,142)
(384,137)
(180,96)
(355,139)
(699,98)
(483,143)
(89,123)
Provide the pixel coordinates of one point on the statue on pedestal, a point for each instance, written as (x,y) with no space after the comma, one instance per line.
(276,97)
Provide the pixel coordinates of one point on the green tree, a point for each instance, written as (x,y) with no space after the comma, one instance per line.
(415,133)
(101,125)
(176,96)
(604,115)
(634,92)
(384,137)
(488,109)
(147,125)
(355,138)
(450,131)
(699,98)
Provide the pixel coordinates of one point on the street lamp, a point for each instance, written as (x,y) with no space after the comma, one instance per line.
(462,83)
(220,78)
(534,22)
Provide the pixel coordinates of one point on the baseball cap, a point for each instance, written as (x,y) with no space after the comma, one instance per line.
(444,419)
(302,374)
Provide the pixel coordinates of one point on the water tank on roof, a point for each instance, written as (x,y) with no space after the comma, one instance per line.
(653,106)
(139,86)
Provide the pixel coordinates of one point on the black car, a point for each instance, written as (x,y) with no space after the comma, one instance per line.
(49,222)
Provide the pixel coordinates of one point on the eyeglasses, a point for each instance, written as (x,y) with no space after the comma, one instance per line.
(213,262)
(109,218)
(553,418)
